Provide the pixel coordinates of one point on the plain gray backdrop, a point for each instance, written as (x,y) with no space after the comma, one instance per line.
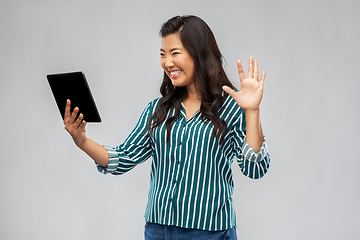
(310,113)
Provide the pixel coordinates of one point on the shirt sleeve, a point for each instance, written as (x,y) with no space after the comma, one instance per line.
(253,165)
(136,149)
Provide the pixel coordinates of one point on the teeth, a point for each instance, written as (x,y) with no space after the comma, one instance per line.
(175,72)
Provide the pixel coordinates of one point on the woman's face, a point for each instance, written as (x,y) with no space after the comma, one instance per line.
(176,61)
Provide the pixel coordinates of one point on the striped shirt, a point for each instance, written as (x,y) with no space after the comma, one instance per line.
(191,182)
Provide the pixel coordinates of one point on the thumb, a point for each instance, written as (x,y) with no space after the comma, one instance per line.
(229,91)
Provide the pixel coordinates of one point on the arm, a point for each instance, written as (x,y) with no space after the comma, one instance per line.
(254,133)
(76,128)
(249,98)
(96,151)
(252,164)
(136,148)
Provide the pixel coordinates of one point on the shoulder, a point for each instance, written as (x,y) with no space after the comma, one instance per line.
(156,101)
(153,105)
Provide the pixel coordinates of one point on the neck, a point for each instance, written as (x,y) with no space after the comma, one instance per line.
(192,94)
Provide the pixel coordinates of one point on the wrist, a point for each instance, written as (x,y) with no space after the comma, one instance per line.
(81,144)
(252,111)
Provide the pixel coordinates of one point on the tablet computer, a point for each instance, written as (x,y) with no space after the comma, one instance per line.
(74,86)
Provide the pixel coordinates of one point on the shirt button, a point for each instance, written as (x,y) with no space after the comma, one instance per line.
(174,181)
(180,143)
(178,162)
(170,200)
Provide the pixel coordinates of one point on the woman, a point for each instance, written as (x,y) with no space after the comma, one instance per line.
(192,132)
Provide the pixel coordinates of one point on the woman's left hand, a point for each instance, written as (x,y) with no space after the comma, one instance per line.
(250,95)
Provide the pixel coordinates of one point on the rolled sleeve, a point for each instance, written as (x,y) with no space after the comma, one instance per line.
(113,161)
(254,165)
(250,155)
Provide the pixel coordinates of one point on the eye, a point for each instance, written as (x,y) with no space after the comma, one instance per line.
(175,53)
(162,54)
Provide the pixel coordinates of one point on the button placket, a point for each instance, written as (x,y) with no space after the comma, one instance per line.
(181,147)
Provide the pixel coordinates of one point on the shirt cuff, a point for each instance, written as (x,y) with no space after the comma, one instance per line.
(113,161)
(250,155)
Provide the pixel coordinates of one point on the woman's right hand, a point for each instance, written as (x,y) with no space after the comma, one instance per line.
(76,127)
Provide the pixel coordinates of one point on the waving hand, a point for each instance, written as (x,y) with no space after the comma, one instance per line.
(250,95)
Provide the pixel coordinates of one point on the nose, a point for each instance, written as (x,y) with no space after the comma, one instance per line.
(169,62)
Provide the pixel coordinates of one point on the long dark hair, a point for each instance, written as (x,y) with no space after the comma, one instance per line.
(209,75)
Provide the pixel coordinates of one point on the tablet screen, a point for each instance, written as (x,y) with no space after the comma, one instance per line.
(73,86)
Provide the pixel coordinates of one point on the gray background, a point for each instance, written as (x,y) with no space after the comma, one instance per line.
(310,49)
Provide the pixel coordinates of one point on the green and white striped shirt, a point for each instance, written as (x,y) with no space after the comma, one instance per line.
(191,183)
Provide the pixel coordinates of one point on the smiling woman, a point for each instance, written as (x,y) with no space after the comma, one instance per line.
(203,60)
(193,133)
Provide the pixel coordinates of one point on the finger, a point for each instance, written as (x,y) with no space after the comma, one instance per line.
(82,126)
(229,91)
(241,71)
(78,121)
(73,115)
(71,120)
(256,70)
(262,80)
(251,68)
(67,110)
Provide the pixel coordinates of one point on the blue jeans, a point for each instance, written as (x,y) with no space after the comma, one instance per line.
(155,231)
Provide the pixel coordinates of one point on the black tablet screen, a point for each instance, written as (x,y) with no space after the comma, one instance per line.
(74,86)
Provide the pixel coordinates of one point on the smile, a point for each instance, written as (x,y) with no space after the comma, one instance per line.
(174,74)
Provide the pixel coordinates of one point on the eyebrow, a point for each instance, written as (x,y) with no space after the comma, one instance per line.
(173,49)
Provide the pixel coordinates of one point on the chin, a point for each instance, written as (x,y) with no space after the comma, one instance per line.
(176,83)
